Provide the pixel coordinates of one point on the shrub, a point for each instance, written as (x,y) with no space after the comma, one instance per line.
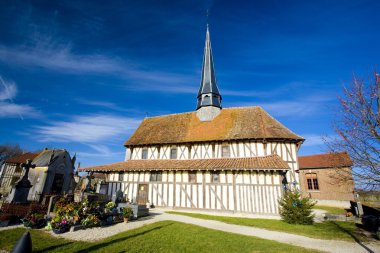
(295,209)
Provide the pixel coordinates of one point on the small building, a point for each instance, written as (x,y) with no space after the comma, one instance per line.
(12,172)
(53,174)
(327,178)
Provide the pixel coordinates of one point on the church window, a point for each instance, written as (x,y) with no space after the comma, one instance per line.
(144,153)
(192,177)
(225,151)
(215,177)
(173,153)
(312,182)
(156,176)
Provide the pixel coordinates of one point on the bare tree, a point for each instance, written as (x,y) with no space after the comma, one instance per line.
(8,151)
(358,127)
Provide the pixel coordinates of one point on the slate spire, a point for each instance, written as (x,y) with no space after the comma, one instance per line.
(208,94)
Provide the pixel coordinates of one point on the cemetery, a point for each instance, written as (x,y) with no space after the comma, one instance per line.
(82,209)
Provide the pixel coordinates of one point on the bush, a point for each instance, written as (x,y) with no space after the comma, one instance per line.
(295,209)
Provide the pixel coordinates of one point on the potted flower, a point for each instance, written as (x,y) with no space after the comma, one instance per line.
(127,212)
(109,207)
(5,219)
(90,221)
(60,225)
(34,220)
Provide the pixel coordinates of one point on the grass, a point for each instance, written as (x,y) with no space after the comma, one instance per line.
(164,236)
(330,209)
(329,230)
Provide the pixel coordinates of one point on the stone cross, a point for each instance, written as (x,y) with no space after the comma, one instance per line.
(22,187)
(27,166)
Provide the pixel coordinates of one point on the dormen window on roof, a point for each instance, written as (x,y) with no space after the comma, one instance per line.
(225,151)
(173,153)
(144,154)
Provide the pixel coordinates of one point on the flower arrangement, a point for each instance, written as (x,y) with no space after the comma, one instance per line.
(60,224)
(90,221)
(34,220)
(110,205)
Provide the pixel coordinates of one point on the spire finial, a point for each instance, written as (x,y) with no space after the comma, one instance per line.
(207,14)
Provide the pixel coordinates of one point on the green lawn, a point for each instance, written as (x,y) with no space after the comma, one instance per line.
(330,230)
(164,236)
(330,209)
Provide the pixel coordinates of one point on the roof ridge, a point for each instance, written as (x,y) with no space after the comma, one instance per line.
(191,112)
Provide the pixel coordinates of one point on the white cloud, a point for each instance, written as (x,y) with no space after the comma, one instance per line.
(304,106)
(8,90)
(9,109)
(61,58)
(88,129)
(313,140)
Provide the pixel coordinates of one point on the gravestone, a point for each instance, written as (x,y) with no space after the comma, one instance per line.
(23,186)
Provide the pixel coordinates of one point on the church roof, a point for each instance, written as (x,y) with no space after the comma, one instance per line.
(272,162)
(330,160)
(22,158)
(231,124)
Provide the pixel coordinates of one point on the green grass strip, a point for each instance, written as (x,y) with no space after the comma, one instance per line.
(330,209)
(329,230)
(164,236)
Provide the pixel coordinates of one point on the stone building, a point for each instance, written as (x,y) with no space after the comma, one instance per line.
(220,159)
(12,172)
(53,174)
(327,178)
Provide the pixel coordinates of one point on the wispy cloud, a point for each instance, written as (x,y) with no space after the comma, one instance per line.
(8,108)
(105,104)
(304,106)
(61,58)
(312,140)
(88,129)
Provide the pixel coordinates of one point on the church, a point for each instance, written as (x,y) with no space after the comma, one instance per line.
(213,159)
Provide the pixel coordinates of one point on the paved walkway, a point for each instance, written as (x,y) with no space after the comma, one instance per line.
(297,240)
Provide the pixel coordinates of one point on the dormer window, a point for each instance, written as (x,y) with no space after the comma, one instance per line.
(173,153)
(144,154)
(225,151)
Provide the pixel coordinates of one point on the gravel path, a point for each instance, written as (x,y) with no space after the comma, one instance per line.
(297,240)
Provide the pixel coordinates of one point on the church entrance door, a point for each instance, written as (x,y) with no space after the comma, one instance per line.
(57,184)
(142,196)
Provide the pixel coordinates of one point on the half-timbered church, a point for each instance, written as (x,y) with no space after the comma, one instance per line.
(220,159)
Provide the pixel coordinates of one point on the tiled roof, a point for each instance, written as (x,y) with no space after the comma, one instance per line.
(231,124)
(331,160)
(22,158)
(273,162)
(47,156)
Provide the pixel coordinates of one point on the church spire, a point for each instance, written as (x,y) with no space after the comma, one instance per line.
(208,94)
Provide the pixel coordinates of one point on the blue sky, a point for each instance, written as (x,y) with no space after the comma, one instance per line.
(81,75)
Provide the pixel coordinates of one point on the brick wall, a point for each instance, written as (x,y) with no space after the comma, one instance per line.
(334,183)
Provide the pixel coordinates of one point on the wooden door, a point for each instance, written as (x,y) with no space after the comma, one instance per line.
(142,196)
(57,184)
